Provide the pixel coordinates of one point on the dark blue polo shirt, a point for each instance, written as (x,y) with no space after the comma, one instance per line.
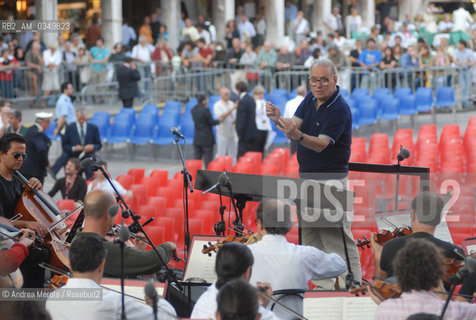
(334,120)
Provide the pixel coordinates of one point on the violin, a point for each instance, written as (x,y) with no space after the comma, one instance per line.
(382,289)
(383,236)
(246,239)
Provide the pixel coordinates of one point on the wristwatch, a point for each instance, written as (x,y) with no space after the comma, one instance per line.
(301,138)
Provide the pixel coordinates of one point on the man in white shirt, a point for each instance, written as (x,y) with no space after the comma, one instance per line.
(100,183)
(291,107)
(190,31)
(300,28)
(225,110)
(263,124)
(333,22)
(142,53)
(234,261)
(87,258)
(285,265)
(462,19)
(246,29)
(52,58)
(446,25)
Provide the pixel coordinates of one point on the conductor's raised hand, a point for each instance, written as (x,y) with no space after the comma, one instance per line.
(272,111)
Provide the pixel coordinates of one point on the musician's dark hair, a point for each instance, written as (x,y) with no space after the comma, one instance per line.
(86,252)
(7,139)
(98,207)
(232,261)
(237,300)
(76,163)
(428,207)
(275,217)
(418,265)
(64,86)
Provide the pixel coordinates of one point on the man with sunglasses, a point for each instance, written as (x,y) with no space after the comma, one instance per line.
(322,126)
(12,153)
(37,147)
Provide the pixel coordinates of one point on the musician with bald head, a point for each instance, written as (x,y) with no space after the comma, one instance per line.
(136,262)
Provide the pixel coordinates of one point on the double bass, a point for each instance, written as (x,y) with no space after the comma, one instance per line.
(36,205)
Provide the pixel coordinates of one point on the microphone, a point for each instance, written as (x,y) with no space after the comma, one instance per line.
(113,210)
(151,293)
(89,162)
(223,181)
(123,233)
(404,154)
(175,131)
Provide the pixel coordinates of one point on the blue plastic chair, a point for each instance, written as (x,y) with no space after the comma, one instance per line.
(381,98)
(355,118)
(401,92)
(360,92)
(424,99)
(187,128)
(381,91)
(103,121)
(368,112)
(389,107)
(445,97)
(143,131)
(192,103)
(407,104)
(120,129)
(163,135)
(150,109)
(277,94)
(172,107)
(280,136)
(344,92)
(293,94)
(130,112)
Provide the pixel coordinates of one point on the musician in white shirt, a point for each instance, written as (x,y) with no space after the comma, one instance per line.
(234,261)
(87,257)
(286,265)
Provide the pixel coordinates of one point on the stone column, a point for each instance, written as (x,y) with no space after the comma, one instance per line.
(47,10)
(224,10)
(111,22)
(322,9)
(367,12)
(171,18)
(275,22)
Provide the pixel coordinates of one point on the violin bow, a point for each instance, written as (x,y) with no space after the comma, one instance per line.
(291,311)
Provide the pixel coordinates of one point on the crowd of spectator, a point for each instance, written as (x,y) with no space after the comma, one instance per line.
(421,41)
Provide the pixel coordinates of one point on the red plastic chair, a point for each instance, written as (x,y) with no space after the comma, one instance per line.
(160,203)
(168,224)
(66,204)
(137,173)
(146,212)
(156,234)
(195,226)
(161,175)
(125,180)
(208,218)
(193,165)
(140,195)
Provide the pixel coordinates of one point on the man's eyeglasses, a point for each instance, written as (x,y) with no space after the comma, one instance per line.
(17,155)
(322,81)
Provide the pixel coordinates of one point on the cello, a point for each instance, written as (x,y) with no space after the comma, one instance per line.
(36,205)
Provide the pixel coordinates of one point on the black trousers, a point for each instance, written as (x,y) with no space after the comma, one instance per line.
(205,153)
(127,103)
(245,146)
(260,141)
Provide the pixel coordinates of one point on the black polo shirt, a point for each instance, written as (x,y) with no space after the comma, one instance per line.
(332,119)
(10,193)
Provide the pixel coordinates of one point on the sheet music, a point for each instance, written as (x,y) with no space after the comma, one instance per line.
(345,308)
(201,267)
(323,308)
(132,288)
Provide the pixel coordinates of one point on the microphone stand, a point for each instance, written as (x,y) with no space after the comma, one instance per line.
(238,225)
(171,277)
(349,279)
(397,185)
(186,186)
(123,310)
(220,225)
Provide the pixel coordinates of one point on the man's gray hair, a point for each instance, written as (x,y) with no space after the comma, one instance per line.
(326,63)
(81,110)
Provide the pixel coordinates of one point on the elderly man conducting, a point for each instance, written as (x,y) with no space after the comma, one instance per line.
(322,126)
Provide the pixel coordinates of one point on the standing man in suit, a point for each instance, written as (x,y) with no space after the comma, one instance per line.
(128,76)
(81,140)
(37,147)
(245,121)
(203,139)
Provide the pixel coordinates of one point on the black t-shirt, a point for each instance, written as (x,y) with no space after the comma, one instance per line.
(391,248)
(10,193)
(355,54)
